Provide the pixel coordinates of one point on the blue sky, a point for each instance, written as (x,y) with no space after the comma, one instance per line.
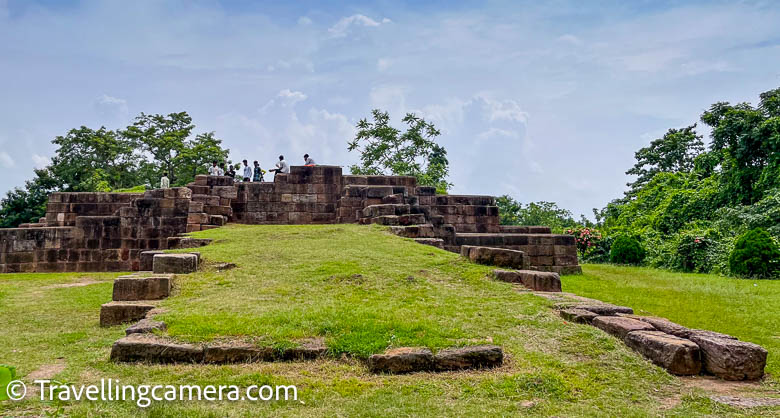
(539,100)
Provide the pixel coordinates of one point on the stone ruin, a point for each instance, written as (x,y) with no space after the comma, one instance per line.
(91,232)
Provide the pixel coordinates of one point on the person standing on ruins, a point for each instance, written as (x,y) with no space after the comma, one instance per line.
(308,161)
(231,172)
(221,171)
(164,182)
(213,170)
(258,173)
(247,171)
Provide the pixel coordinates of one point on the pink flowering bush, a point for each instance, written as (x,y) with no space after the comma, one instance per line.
(590,243)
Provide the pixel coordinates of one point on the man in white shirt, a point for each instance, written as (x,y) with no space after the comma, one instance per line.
(308,160)
(164,182)
(281,166)
(213,169)
(247,171)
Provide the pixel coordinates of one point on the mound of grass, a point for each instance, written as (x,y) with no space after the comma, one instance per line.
(362,290)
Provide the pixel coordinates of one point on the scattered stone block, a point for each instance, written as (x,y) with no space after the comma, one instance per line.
(237,353)
(147,258)
(309,349)
(540,281)
(474,357)
(142,288)
(401,360)
(677,355)
(146,326)
(580,316)
(153,349)
(731,359)
(115,313)
(619,326)
(175,263)
(605,309)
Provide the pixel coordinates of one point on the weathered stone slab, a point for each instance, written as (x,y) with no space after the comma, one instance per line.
(605,309)
(146,326)
(147,258)
(402,360)
(115,313)
(619,326)
(153,349)
(731,359)
(677,355)
(540,281)
(665,325)
(175,263)
(474,357)
(495,257)
(142,288)
(580,316)
(237,353)
(307,350)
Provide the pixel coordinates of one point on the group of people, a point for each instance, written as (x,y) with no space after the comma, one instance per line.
(255,173)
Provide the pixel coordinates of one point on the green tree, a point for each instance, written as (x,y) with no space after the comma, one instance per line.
(748,139)
(92,160)
(386,150)
(755,254)
(164,145)
(28,204)
(512,212)
(673,153)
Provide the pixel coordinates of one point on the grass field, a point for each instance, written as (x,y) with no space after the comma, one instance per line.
(362,290)
(746,309)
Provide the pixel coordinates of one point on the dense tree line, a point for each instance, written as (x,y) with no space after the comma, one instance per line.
(689,202)
(101,160)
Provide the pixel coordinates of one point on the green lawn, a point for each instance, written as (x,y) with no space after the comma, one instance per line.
(362,290)
(746,309)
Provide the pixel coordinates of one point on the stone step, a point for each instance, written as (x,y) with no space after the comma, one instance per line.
(394,199)
(207,227)
(174,263)
(413,359)
(132,288)
(499,257)
(434,242)
(207,200)
(414,231)
(218,220)
(115,313)
(399,220)
(677,355)
(539,281)
(146,326)
(374,211)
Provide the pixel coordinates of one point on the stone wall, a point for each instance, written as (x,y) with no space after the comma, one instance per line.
(107,231)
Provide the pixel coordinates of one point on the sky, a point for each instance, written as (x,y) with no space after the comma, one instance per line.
(538,100)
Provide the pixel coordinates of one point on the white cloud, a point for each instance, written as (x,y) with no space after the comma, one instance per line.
(111,107)
(289,97)
(40,161)
(6,161)
(571,39)
(343,26)
(303,20)
(503,109)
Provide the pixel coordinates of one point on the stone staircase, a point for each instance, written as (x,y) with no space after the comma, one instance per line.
(210,206)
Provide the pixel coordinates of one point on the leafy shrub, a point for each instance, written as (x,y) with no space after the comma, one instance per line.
(626,250)
(755,254)
(693,251)
(592,246)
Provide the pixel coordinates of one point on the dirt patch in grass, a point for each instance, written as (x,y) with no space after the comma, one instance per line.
(84,281)
(47,371)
